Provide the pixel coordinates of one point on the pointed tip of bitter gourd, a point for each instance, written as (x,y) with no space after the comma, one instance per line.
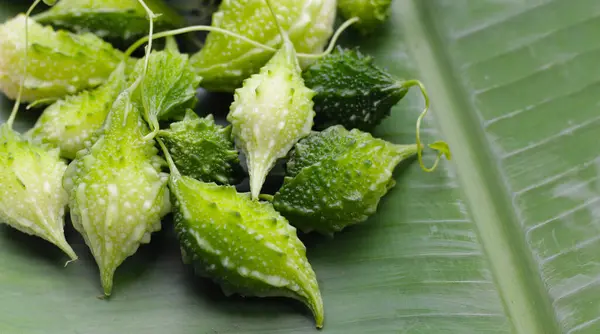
(316,306)
(244,245)
(106,279)
(63,245)
(270,113)
(407,151)
(33,200)
(258,175)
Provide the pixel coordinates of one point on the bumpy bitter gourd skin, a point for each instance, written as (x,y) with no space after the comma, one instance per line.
(203,150)
(72,124)
(337,178)
(244,245)
(371,13)
(270,113)
(32,198)
(119,20)
(351,91)
(117,193)
(59,63)
(225,61)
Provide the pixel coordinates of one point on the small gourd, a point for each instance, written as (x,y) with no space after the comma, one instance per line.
(114,20)
(270,113)
(225,61)
(117,191)
(71,124)
(336,178)
(59,63)
(243,245)
(352,91)
(33,200)
(203,150)
(372,13)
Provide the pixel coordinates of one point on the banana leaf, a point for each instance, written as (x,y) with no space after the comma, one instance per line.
(505,238)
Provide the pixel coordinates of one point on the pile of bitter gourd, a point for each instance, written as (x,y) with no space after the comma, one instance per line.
(138,151)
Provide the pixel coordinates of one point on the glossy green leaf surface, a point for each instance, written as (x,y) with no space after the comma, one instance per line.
(505,238)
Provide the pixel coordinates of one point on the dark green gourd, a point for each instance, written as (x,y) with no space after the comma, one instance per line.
(203,150)
(336,178)
(351,90)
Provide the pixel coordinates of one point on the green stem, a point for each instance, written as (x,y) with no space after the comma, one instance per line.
(36,103)
(266,197)
(155,129)
(186,30)
(334,39)
(151,17)
(441,152)
(283,34)
(168,157)
(13,114)
(171,44)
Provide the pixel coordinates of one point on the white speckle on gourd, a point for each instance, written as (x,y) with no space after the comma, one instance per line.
(117,200)
(55,58)
(276,95)
(247,247)
(32,198)
(226,61)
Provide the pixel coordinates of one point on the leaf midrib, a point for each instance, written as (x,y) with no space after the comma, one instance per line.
(517,277)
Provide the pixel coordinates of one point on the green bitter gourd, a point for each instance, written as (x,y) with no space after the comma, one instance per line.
(59,63)
(270,113)
(72,124)
(336,178)
(352,91)
(372,13)
(225,61)
(203,150)
(117,192)
(114,20)
(242,244)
